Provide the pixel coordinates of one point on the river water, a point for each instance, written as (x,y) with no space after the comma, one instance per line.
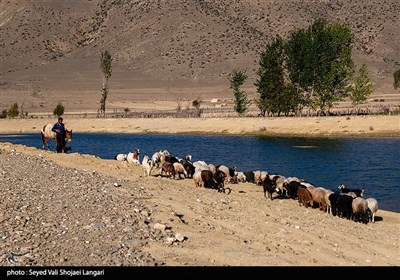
(371,163)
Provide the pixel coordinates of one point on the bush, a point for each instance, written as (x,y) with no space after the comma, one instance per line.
(59,110)
(14,111)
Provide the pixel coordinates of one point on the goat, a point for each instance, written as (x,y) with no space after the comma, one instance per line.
(147,165)
(188,167)
(358,192)
(133,157)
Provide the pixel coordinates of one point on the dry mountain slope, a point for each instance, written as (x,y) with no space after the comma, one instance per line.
(174,43)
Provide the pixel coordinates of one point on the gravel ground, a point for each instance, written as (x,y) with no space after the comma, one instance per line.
(53,215)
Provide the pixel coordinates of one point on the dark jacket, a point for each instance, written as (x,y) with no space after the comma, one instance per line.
(59,126)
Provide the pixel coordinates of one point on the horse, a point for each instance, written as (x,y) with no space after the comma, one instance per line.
(47,135)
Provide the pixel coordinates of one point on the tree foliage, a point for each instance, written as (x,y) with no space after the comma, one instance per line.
(13,111)
(319,62)
(362,87)
(106,70)
(59,110)
(237,78)
(271,82)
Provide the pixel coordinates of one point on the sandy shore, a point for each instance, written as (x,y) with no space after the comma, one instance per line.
(310,126)
(87,220)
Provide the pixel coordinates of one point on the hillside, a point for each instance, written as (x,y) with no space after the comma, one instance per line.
(54,46)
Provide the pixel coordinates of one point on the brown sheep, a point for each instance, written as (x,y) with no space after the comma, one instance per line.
(169,169)
(305,197)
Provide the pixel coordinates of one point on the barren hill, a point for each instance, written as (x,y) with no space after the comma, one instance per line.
(52,46)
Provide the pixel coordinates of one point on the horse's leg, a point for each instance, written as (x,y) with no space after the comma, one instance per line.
(43,141)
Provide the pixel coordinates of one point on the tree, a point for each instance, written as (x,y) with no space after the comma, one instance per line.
(271,83)
(237,78)
(362,87)
(319,62)
(13,111)
(196,104)
(59,110)
(396,76)
(105,66)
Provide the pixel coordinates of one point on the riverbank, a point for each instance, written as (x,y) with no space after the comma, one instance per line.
(104,212)
(290,126)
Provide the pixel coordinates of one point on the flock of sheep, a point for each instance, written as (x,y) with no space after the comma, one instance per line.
(345,203)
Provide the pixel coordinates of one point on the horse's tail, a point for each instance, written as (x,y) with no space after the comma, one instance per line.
(42,133)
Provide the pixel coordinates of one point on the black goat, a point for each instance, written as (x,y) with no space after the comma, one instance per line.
(358,192)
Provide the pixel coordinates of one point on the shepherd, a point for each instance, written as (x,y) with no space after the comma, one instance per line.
(59,133)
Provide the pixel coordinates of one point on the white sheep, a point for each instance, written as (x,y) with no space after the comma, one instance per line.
(179,169)
(373,207)
(241,177)
(198,182)
(121,157)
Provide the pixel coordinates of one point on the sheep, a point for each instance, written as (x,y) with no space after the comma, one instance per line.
(318,195)
(147,166)
(263,175)
(359,206)
(241,177)
(200,165)
(169,169)
(257,177)
(279,181)
(212,168)
(358,192)
(372,208)
(333,197)
(305,197)
(188,167)
(219,178)
(180,169)
(249,176)
(327,201)
(208,179)
(121,157)
(228,171)
(344,206)
(156,159)
(291,188)
(268,187)
(198,182)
